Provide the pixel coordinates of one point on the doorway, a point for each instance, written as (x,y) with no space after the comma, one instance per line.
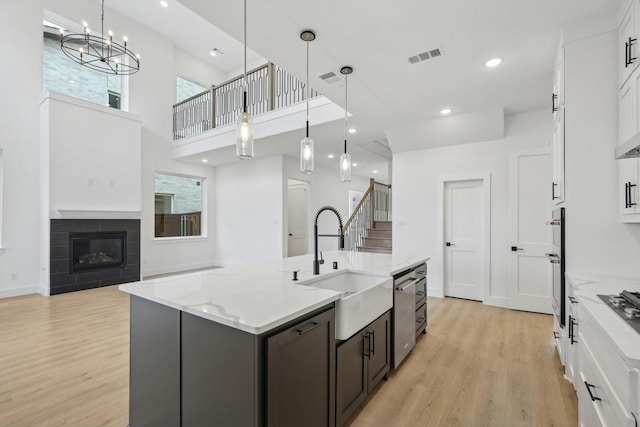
(297,221)
(466,231)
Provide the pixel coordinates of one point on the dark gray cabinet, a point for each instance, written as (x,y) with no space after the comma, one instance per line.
(362,361)
(187,371)
(301,374)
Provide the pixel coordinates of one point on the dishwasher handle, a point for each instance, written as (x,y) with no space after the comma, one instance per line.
(408,285)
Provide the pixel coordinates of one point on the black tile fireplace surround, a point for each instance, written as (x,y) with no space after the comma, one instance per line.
(66,231)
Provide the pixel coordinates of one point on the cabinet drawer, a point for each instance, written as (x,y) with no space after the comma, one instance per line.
(421,318)
(421,291)
(421,271)
(612,366)
(597,392)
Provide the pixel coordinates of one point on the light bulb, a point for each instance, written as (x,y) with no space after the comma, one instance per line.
(345,167)
(306,155)
(244,137)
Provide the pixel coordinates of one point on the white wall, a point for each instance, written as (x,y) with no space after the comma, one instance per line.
(81,172)
(20,85)
(196,70)
(596,240)
(325,190)
(249,200)
(415,192)
(152,93)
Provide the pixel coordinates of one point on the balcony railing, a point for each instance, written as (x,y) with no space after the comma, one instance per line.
(269,87)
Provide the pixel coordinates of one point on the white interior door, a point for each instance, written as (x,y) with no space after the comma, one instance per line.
(297,222)
(463,236)
(530,273)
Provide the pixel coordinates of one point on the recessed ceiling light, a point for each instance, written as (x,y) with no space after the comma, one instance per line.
(164,4)
(330,156)
(354,164)
(215,52)
(353,130)
(493,62)
(445,111)
(375,171)
(205,161)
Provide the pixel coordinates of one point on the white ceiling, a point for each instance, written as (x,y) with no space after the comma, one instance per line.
(376,37)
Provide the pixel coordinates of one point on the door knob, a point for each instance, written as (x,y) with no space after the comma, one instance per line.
(515,249)
(290,234)
(450,244)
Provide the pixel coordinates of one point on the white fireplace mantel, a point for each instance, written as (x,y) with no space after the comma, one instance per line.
(93,214)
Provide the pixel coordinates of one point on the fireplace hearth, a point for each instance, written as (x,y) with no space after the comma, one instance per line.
(91,253)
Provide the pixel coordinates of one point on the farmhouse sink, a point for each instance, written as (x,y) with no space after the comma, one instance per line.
(364,298)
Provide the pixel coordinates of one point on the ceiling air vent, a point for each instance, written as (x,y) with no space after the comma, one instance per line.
(433,53)
(330,77)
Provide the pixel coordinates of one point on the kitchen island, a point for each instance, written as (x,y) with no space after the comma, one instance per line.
(245,345)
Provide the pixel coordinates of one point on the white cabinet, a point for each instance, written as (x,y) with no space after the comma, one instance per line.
(573,323)
(559,340)
(629,110)
(557,142)
(557,154)
(628,173)
(628,41)
(605,385)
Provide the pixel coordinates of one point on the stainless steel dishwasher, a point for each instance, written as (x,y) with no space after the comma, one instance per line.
(404,315)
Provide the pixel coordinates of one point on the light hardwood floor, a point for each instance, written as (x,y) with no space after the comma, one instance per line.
(64,361)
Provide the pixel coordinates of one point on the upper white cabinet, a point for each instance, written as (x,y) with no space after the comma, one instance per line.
(628,41)
(628,109)
(557,142)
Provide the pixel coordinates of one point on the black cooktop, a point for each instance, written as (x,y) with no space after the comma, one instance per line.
(626,305)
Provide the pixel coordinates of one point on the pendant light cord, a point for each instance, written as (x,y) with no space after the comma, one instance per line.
(308,91)
(244,95)
(346,103)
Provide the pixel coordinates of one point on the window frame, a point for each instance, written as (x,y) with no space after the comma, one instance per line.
(203,213)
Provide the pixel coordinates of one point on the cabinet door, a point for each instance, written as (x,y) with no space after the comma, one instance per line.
(557,151)
(380,361)
(627,44)
(351,381)
(628,186)
(300,368)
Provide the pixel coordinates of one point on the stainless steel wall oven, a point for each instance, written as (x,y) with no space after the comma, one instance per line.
(557,258)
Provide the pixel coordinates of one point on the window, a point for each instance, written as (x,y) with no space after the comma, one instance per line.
(179,202)
(62,75)
(186,89)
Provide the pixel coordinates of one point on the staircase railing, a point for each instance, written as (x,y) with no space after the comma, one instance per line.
(375,205)
(269,87)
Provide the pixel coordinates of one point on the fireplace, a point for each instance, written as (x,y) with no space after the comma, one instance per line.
(91,253)
(94,251)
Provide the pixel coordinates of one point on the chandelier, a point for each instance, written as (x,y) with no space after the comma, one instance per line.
(99,53)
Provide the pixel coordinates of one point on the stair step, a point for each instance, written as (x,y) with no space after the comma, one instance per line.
(378,242)
(374,250)
(382,225)
(373,232)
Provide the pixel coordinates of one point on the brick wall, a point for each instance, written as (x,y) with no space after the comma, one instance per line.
(62,75)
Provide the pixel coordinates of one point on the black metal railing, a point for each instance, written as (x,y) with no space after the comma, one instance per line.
(269,87)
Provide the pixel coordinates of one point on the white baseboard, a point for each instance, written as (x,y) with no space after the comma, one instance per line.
(16,292)
(228,264)
(497,301)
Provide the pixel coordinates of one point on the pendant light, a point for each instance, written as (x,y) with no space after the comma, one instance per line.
(244,131)
(306,145)
(345,158)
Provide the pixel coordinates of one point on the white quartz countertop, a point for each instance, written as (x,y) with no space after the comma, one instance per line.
(256,298)
(622,336)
